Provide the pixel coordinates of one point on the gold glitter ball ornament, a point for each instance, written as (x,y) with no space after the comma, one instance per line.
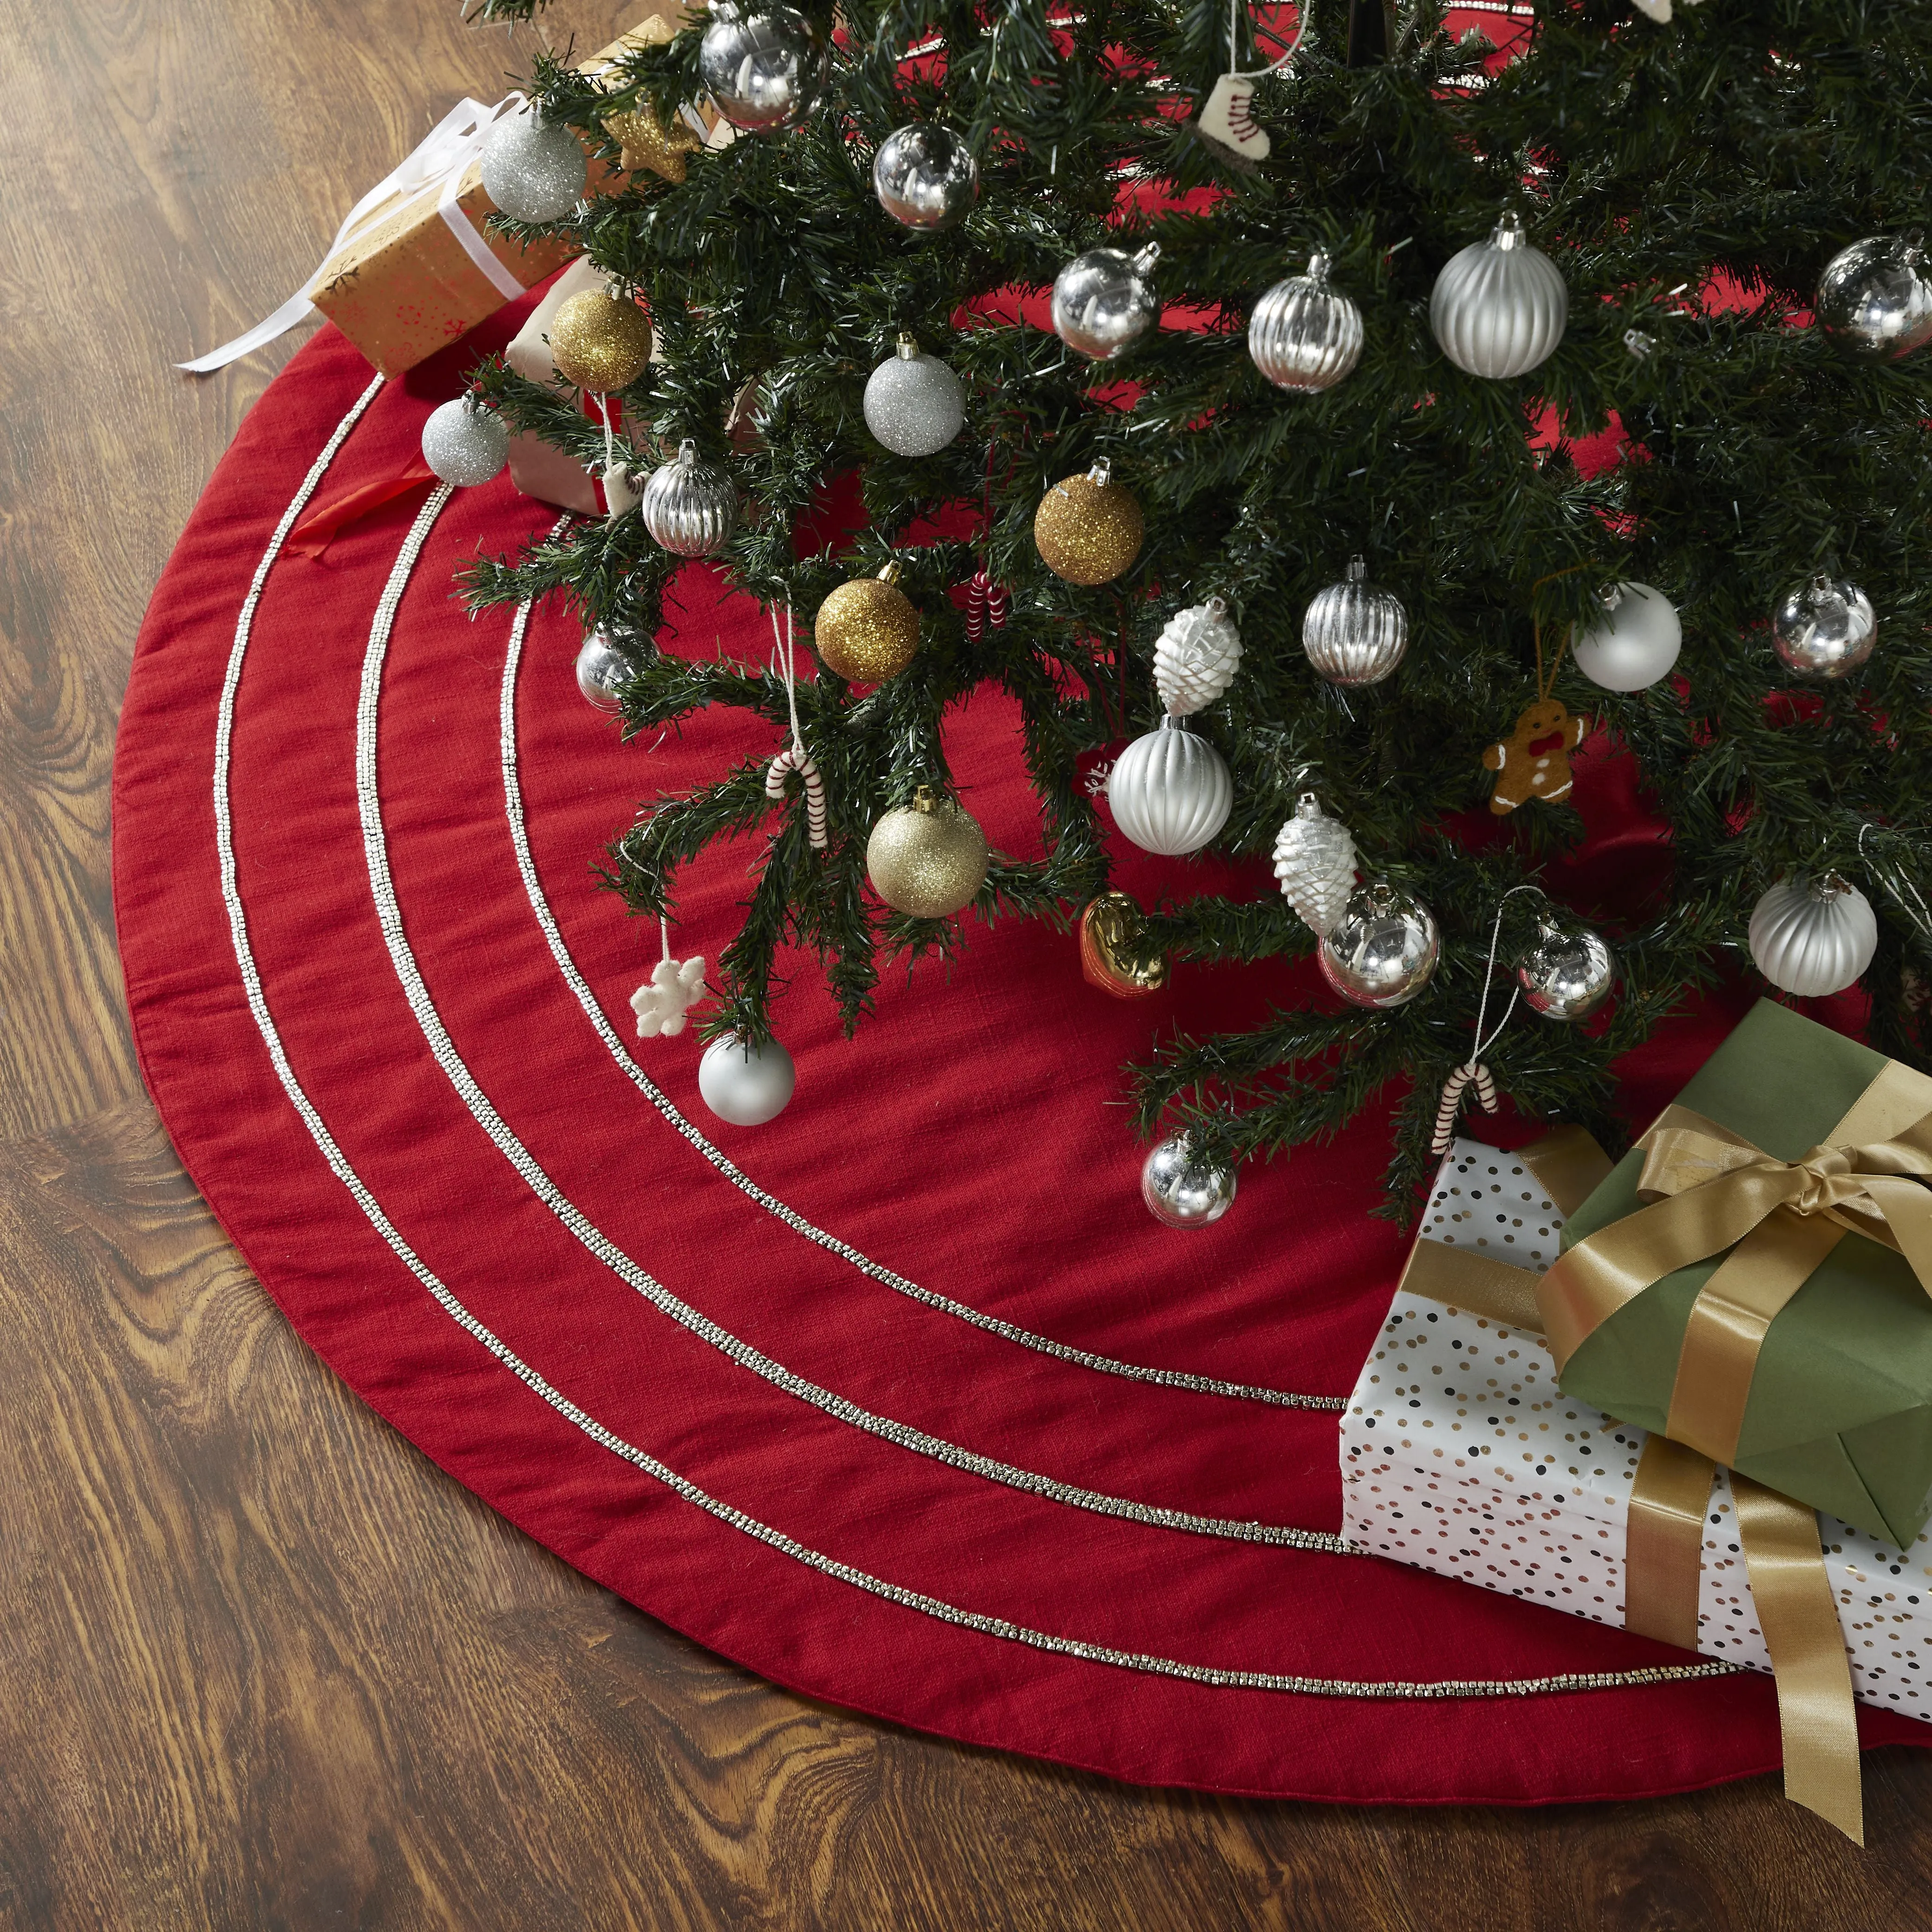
(600,341)
(1089,528)
(648,143)
(929,858)
(867,631)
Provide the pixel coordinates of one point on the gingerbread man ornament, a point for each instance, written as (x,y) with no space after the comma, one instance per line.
(1533,761)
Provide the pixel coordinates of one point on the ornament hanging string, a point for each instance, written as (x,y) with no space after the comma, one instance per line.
(794,757)
(1546,684)
(1472,1072)
(1274,67)
(1898,886)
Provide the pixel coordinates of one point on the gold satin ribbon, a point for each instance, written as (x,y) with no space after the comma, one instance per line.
(1663,1542)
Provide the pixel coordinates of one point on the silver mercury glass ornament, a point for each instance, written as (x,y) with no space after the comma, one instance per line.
(1874,297)
(465,443)
(689,507)
(1383,949)
(1825,629)
(926,177)
(601,668)
(1182,1190)
(1354,633)
(914,404)
(1104,301)
(1499,308)
(1303,336)
(533,169)
(1566,973)
(1813,935)
(765,67)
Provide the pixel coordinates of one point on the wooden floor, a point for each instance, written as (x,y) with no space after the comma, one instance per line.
(261,1665)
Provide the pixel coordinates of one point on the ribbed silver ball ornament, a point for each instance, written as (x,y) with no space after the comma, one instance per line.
(1499,308)
(1183,1190)
(1874,297)
(914,404)
(1303,335)
(1170,791)
(1195,657)
(689,507)
(1315,865)
(601,668)
(765,67)
(1383,950)
(465,443)
(1812,935)
(1354,633)
(1568,974)
(1825,628)
(926,177)
(533,169)
(1104,301)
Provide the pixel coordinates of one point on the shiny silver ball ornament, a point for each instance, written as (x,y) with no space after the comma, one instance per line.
(1354,633)
(1499,308)
(745,1085)
(1195,657)
(689,507)
(1383,949)
(1315,865)
(1183,1191)
(1825,629)
(1633,643)
(1104,302)
(465,443)
(926,177)
(765,67)
(914,404)
(1568,974)
(1170,791)
(1874,297)
(1303,336)
(534,169)
(1812,936)
(601,668)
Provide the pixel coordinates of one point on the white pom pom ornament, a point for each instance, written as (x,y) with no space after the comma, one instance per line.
(1195,657)
(1812,936)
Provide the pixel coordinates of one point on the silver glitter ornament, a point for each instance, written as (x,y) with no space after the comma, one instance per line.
(766,69)
(1354,633)
(1195,657)
(1499,308)
(1304,336)
(601,668)
(1825,629)
(533,169)
(689,507)
(465,443)
(1182,1190)
(1170,791)
(1812,936)
(1633,643)
(1314,862)
(1104,302)
(745,1085)
(914,404)
(1383,949)
(1874,297)
(1566,973)
(926,177)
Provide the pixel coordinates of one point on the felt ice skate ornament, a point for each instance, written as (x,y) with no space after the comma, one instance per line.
(1658,10)
(1224,121)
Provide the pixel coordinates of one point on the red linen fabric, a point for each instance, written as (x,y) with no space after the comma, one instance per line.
(970,1139)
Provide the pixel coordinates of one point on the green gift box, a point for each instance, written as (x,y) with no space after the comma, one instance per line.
(1839,1412)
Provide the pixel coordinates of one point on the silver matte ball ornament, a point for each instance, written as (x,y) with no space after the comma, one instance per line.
(601,668)
(1303,336)
(1825,629)
(925,178)
(1383,949)
(1182,1190)
(1568,974)
(766,68)
(1499,308)
(1315,865)
(1170,791)
(1104,301)
(1812,936)
(914,404)
(1195,657)
(746,1086)
(1874,297)
(1633,643)
(1354,633)
(534,169)
(465,443)
(689,507)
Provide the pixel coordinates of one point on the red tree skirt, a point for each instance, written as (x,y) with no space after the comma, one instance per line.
(806,1455)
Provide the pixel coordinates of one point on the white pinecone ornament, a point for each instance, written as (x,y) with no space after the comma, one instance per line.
(1314,860)
(1195,657)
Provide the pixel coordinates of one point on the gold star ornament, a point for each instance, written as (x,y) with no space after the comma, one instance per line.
(648,143)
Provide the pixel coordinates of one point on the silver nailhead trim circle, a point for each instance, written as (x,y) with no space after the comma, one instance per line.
(774,1539)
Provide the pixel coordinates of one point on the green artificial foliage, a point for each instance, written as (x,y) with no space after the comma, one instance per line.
(1750,140)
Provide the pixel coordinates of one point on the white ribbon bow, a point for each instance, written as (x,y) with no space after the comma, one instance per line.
(437,167)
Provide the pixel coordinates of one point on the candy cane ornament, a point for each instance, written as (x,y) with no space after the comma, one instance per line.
(794,757)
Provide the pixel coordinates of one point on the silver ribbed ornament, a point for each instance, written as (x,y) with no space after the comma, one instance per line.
(1825,629)
(1499,308)
(914,404)
(1170,790)
(465,443)
(766,68)
(1566,973)
(1874,297)
(1303,335)
(1383,949)
(533,169)
(1315,861)
(1181,1189)
(1354,633)
(1104,302)
(1195,657)
(926,177)
(601,668)
(1812,936)
(689,507)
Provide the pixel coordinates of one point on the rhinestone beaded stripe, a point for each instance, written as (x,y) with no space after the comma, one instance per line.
(777,1540)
